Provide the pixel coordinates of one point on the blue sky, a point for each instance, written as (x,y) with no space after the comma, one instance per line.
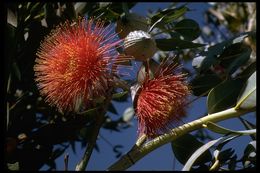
(162,158)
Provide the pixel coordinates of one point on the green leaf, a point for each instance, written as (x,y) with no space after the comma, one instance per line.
(184,146)
(221,130)
(81,8)
(11,18)
(13,166)
(203,83)
(119,95)
(89,112)
(36,9)
(175,43)
(168,15)
(188,28)
(224,95)
(247,100)
(203,149)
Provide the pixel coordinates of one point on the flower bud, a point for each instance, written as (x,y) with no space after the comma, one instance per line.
(131,22)
(140,45)
(141,75)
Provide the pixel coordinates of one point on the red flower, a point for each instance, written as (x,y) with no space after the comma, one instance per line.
(160,101)
(74,64)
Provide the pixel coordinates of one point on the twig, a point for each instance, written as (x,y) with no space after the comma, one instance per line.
(66,162)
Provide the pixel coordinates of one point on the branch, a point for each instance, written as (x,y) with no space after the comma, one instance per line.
(81,166)
(138,152)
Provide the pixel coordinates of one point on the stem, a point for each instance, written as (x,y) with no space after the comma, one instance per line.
(66,162)
(83,163)
(147,69)
(138,152)
(81,166)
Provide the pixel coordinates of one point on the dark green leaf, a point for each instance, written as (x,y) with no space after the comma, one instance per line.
(16,71)
(203,83)
(234,56)
(202,167)
(215,51)
(69,12)
(188,28)
(118,8)
(251,147)
(225,155)
(232,163)
(116,150)
(50,15)
(111,125)
(83,132)
(9,51)
(72,144)
(224,95)
(211,55)
(58,152)
(175,44)
(249,156)
(248,71)
(175,35)
(109,11)
(51,164)
(185,146)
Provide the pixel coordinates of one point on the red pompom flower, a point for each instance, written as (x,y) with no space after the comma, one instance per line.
(161,100)
(74,64)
